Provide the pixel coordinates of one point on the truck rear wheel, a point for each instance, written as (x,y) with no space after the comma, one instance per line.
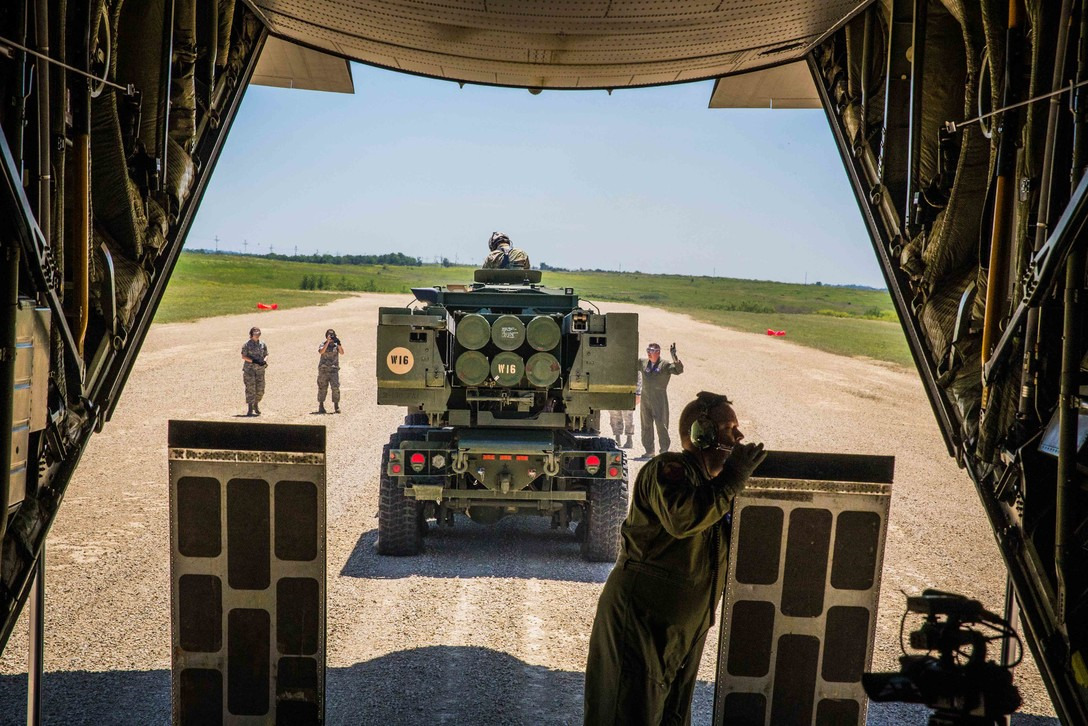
(606,508)
(398,517)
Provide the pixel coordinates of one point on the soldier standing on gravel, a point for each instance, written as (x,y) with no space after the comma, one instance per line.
(658,603)
(503,255)
(328,370)
(623,422)
(255,355)
(654,405)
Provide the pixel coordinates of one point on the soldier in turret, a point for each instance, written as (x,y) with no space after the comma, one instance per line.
(503,255)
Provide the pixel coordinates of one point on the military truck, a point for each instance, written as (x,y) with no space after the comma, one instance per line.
(503,380)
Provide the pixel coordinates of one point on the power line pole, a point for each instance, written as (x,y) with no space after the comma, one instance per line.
(269,248)
(245,246)
(296,250)
(217,244)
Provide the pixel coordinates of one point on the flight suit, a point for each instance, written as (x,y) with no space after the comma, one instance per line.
(507,258)
(328,374)
(654,408)
(253,374)
(656,607)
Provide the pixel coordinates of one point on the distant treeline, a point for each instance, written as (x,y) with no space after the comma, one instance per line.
(390,258)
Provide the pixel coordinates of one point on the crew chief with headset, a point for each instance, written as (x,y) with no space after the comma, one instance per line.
(659,601)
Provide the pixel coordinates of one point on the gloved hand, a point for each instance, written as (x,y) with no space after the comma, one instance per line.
(743,460)
(672,351)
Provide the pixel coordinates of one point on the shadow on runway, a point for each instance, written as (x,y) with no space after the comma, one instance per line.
(519,547)
(437,684)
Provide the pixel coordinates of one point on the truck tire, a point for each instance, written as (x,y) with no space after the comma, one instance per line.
(398,521)
(606,508)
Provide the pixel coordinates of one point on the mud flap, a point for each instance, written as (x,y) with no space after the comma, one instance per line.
(799,611)
(247,572)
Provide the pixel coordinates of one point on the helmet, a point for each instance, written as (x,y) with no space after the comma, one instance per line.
(497,238)
(254,331)
(653,348)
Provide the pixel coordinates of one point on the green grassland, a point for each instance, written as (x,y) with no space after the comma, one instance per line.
(843,320)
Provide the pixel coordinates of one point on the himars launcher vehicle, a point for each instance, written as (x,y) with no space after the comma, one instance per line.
(504,381)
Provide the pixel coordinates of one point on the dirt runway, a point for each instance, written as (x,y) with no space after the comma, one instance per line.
(490,625)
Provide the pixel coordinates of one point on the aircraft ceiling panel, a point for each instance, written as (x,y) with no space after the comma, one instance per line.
(569,44)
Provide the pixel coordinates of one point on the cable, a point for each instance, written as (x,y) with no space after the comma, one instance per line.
(953,126)
(129,90)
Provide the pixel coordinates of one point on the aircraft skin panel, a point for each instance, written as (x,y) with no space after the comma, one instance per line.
(591,44)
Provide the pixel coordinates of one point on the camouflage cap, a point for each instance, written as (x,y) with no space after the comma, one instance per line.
(254,331)
(497,238)
(653,348)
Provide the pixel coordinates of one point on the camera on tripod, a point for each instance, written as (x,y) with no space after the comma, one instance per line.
(953,676)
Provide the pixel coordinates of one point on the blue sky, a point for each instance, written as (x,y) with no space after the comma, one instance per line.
(647,179)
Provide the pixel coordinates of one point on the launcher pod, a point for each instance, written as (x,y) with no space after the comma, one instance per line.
(503,381)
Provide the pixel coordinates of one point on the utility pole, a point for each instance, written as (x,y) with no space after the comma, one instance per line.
(217,244)
(245,246)
(296,250)
(269,248)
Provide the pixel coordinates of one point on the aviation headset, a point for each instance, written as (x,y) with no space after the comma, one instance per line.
(704,430)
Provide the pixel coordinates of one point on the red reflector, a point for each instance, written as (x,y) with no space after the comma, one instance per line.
(505,457)
(613,471)
(418,458)
(489,457)
(616,458)
(593,460)
(392,456)
(396,468)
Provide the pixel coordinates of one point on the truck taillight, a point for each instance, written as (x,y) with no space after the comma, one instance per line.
(395,468)
(613,472)
(417,460)
(593,463)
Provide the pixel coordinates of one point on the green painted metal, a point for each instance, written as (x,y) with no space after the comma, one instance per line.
(472,368)
(542,369)
(543,333)
(473,331)
(508,369)
(508,332)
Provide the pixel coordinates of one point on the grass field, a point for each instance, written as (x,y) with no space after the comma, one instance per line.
(842,320)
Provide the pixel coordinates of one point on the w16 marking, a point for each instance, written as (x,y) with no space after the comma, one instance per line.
(400,360)
(511,368)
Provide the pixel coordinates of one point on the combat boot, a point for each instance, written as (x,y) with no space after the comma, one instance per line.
(628,444)
(321,408)
(250,411)
(336,408)
(256,410)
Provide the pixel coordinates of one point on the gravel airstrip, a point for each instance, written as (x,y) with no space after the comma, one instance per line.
(491,624)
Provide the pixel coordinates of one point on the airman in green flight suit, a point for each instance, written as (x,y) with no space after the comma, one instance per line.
(658,603)
(653,406)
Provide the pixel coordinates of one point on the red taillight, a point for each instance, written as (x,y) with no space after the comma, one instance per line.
(613,472)
(395,468)
(392,456)
(593,463)
(417,460)
(521,457)
(488,457)
(505,457)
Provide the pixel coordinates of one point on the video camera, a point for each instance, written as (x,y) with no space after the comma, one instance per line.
(959,684)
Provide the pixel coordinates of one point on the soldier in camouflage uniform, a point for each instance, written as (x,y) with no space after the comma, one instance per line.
(255,355)
(658,603)
(328,370)
(654,405)
(623,422)
(504,255)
